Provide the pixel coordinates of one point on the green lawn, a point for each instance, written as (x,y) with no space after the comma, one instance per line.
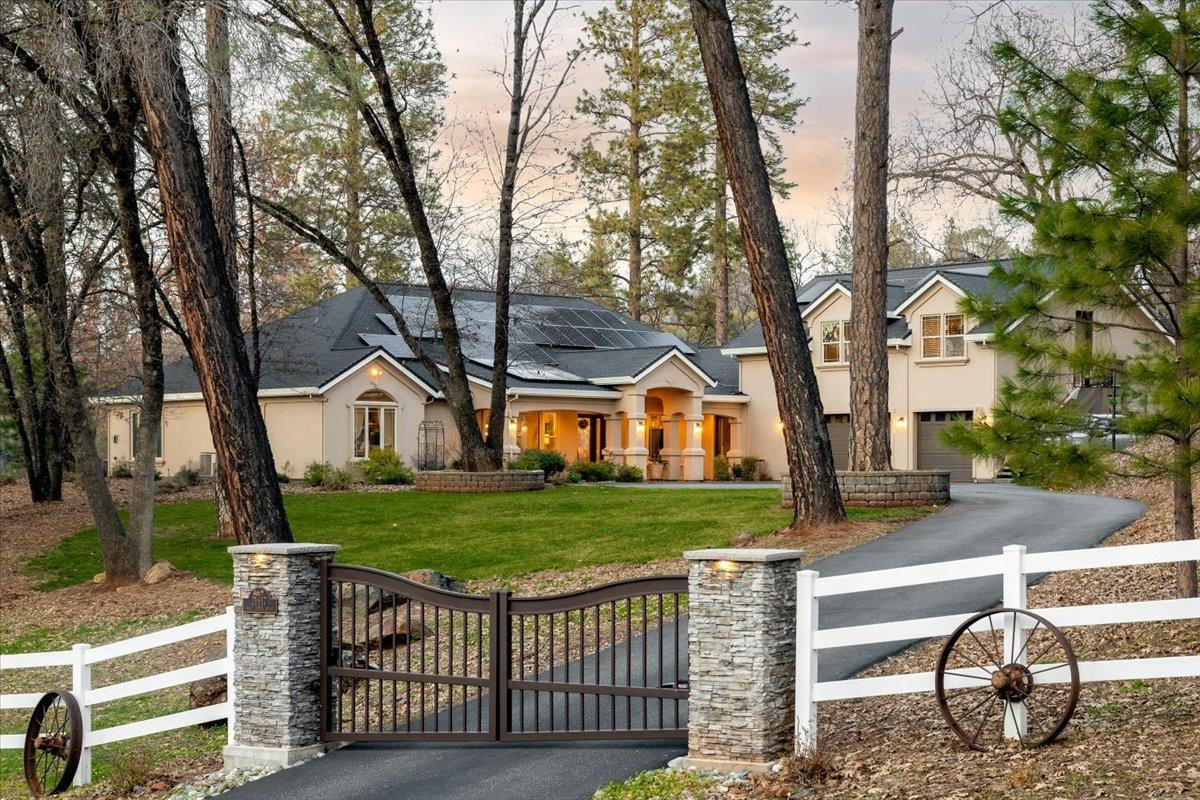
(465,535)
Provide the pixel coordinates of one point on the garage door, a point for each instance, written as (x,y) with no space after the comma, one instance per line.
(931,453)
(839,439)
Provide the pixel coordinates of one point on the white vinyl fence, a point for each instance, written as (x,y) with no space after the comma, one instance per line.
(1014,565)
(82,657)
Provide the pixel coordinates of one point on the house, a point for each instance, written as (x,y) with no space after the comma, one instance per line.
(942,365)
(590,383)
(337,380)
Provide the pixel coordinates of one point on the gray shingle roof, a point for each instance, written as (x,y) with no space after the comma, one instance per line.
(973,278)
(558,343)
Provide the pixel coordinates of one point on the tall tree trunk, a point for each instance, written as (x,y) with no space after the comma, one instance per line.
(36,468)
(870,424)
(1182,491)
(720,247)
(26,403)
(636,191)
(247,469)
(508,188)
(220,132)
(220,177)
(810,457)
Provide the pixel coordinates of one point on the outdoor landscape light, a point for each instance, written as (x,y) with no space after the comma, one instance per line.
(725,565)
(260,559)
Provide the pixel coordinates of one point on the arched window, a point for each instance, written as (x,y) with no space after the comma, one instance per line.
(374,422)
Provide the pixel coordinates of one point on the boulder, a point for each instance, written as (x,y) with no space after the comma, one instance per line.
(431,577)
(158,573)
(743,539)
(100,577)
(208,692)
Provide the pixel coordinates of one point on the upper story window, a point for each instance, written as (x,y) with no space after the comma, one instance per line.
(374,422)
(942,336)
(135,435)
(835,341)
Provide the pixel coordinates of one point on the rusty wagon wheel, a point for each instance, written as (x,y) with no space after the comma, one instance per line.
(982,689)
(53,743)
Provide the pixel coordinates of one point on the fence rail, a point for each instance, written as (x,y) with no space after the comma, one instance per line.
(1014,566)
(81,657)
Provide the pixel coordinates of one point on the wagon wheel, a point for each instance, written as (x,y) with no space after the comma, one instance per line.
(53,742)
(982,690)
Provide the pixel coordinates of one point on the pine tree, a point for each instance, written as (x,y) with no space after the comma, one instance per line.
(1116,245)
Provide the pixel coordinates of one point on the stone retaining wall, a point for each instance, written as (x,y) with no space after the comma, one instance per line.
(895,489)
(510,480)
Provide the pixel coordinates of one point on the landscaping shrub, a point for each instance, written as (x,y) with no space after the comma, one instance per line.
(628,473)
(122,468)
(721,471)
(752,468)
(548,462)
(385,467)
(282,477)
(324,475)
(187,475)
(595,471)
(573,477)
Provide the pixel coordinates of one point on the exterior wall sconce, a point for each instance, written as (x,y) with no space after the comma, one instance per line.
(374,372)
(725,565)
(901,423)
(697,429)
(779,426)
(260,559)
(641,427)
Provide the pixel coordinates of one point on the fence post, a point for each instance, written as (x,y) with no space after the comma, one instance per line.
(81,687)
(275,680)
(741,658)
(1016,724)
(230,635)
(806,659)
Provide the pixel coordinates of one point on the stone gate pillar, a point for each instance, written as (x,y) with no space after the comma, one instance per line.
(276,654)
(741,657)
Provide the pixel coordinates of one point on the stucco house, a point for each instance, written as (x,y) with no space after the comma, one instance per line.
(337,380)
(942,365)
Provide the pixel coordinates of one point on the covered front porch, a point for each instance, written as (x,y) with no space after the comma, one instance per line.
(668,433)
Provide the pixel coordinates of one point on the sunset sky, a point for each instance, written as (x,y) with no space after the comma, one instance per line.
(471,35)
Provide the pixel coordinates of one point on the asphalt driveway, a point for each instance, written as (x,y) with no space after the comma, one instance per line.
(982,519)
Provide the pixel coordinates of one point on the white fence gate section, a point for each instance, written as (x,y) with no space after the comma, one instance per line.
(1014,565)
(82,657)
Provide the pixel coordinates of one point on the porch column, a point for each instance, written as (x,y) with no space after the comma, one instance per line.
(512,423)
(735,439)
(613,441)
(672,450)
(636,452)
(693,438)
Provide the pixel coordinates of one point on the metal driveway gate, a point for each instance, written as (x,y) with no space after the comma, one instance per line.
(406,661)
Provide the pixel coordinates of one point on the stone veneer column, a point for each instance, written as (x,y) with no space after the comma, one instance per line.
(741,657)
(276,654)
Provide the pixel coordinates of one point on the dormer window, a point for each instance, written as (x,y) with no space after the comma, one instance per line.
(942,336)
(835,341)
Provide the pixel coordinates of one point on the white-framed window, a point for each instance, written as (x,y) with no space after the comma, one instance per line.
(835,341)
(135,426)
(374,422)
(942,336)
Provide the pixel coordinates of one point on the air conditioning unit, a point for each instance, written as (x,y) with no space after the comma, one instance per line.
(208,465)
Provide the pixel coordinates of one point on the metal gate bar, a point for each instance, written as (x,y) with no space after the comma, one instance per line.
(608,662)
